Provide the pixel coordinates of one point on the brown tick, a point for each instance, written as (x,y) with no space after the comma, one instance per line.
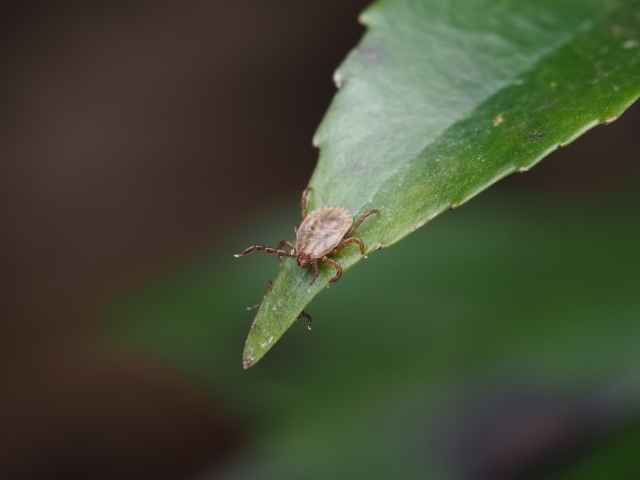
(325,231)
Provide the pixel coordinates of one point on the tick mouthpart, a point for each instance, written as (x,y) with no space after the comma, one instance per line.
(303,262)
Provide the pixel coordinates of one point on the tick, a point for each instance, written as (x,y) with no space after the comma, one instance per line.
(325,231)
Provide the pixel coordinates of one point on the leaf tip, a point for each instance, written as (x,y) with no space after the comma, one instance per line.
(246,363)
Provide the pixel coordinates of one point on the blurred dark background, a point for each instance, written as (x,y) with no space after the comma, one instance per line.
(133,135)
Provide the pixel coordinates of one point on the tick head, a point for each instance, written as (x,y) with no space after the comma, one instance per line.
(303,260)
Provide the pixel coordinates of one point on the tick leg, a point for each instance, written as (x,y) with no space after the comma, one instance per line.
(284,243)
(347,241)
(335,265)
(277,251)
(360,220)
(308,317)
(303,202)
(314,264)
(295,230)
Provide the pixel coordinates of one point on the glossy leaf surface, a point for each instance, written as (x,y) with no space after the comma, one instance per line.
(443,98)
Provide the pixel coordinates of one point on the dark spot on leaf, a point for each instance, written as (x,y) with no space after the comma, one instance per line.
(372,55)
(535,136)
(357,166)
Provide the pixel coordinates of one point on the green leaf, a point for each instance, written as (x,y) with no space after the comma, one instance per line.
(443,98)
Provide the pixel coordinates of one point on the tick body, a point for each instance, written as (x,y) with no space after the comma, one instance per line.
(322,231)
(325,231)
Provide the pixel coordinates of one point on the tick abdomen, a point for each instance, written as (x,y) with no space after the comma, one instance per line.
(323,230)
